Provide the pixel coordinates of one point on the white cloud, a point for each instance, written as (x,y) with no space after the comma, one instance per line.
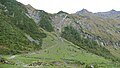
(72,6)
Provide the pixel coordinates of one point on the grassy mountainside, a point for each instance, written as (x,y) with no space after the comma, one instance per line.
(91,27)
(74,36)
(45,22)
(104,28)
(60,53)
(15,25)
(56,40)
(41,18)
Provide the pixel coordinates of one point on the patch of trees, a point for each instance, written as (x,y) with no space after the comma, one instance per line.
(45,22)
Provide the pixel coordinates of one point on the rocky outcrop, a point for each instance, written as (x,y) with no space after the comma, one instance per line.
(4,61)
(31,39)
(33,13)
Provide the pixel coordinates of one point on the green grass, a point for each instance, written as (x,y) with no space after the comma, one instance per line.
(63,49)
(9,66)
(115,51)
(60,50)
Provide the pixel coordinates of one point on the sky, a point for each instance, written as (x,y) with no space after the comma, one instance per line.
(72,6)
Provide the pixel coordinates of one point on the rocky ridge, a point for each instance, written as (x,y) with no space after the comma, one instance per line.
(90,25)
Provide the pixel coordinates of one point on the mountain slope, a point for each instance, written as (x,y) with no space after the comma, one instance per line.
(59,38)
(98,28)
(58,52)
(16,27)
(92,28)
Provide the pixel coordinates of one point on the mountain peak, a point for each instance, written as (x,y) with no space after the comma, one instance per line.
(29,7)
(112,10)
(84,10)
(60,12)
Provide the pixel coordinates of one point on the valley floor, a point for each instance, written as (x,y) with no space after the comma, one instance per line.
(58,53)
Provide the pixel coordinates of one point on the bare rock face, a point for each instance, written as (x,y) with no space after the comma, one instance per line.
(59,21)
(33,13)
(31,39)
